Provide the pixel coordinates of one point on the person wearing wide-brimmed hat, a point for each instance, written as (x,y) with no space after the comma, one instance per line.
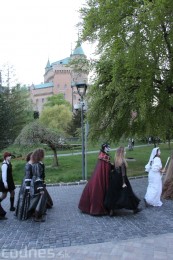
(7,182)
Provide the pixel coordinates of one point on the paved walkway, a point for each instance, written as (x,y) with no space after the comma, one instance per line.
(69,234)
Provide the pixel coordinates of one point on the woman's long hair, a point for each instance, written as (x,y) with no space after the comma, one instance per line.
(37,155)
(119,157)
(28,157)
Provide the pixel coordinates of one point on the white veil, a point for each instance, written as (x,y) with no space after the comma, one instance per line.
(153,154)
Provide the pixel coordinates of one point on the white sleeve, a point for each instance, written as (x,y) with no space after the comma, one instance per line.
(156,165)
(4,174)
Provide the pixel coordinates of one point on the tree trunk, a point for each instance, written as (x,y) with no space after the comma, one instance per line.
(55,159)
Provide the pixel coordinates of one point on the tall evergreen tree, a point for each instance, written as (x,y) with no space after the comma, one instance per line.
(74,124)
(15,112)
(4,118)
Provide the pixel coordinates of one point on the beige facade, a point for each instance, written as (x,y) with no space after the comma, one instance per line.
(59,78)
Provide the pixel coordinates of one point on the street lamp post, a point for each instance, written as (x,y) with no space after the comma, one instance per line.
(81,89)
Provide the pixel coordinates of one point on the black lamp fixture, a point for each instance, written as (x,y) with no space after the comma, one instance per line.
(81,88)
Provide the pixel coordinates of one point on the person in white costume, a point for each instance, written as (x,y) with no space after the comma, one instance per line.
(154,189)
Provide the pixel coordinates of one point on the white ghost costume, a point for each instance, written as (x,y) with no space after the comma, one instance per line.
(154,188)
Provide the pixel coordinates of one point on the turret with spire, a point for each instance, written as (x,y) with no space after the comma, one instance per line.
(48,66)
(78,50)
(79,64)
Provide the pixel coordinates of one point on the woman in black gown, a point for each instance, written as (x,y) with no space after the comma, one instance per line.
(49,201)
(40,199)
(24,193)
(37,206)
(120,194)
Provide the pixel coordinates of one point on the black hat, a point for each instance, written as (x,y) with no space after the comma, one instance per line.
(104,145)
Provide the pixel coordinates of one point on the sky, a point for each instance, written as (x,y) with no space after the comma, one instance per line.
(33,31)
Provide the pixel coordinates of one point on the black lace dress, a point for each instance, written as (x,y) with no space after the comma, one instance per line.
(118,197)
(38,200)
(49,201)
(23,200)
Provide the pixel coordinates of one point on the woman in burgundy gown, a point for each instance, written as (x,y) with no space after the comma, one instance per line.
(92,198)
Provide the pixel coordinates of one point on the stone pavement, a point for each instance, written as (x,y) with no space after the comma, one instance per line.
(67,233)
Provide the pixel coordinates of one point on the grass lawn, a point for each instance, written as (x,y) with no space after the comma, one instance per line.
(70,167)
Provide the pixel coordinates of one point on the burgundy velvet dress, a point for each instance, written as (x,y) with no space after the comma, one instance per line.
(92,198)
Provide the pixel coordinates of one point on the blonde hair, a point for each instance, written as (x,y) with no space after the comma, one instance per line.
(119,157)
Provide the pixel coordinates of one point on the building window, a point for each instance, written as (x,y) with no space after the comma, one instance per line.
(74,97)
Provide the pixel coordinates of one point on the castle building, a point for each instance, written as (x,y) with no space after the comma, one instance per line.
(60,77)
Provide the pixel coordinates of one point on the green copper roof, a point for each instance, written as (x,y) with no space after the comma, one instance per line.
(63,61)
(78,50)
(44,85)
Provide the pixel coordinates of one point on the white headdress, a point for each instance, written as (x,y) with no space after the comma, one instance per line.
(153,154)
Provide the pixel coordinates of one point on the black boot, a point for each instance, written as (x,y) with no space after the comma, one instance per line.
(2,213)
(12,208)
(38,217)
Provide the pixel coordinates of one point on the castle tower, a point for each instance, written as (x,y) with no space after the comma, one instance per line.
(60,77)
